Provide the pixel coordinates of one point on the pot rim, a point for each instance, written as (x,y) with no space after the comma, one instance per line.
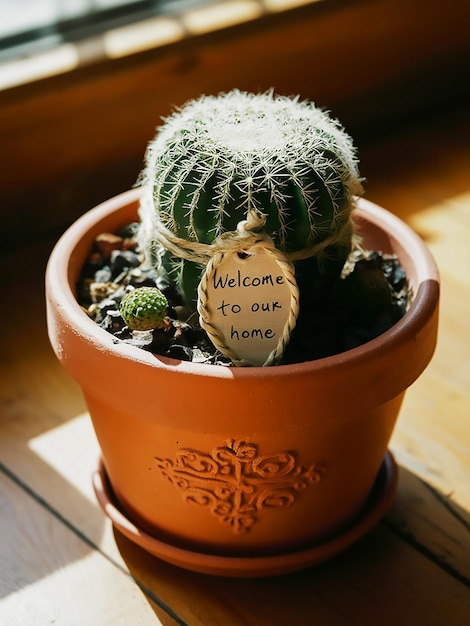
(69,254)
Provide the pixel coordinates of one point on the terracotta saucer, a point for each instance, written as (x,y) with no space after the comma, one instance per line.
(378,503)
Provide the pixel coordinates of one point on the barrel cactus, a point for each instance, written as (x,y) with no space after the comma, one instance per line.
(219,158)
(279,163)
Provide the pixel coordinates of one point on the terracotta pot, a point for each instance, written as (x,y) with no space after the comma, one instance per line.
(243,471)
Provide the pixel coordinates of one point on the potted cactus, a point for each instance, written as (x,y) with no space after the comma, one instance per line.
(268,452)
(280,163)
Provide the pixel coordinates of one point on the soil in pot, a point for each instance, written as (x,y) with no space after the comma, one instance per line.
(369,297)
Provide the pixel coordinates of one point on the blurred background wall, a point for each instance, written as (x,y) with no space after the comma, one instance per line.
(76,114)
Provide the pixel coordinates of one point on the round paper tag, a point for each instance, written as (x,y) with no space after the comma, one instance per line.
(248,304)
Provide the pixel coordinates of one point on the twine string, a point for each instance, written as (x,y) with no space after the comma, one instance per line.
(202,252)
(242,240)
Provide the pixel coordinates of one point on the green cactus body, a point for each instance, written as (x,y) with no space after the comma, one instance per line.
(219,158)
(144,309)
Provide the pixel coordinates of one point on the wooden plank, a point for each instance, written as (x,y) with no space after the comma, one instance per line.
(433,523)
(381,580)
(49,575)
(422,175)
(205,600)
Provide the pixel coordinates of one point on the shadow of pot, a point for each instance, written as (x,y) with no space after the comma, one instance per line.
(243,471)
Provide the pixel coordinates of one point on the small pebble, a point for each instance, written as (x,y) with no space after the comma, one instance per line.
(106,243)
(123,258)
(113,321)
(103,275)
(182,353)
(100,291)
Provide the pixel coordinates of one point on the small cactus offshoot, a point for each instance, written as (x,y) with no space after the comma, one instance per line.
(219,158)
(144,309)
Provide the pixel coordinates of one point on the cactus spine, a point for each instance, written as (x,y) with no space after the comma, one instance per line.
(219,158)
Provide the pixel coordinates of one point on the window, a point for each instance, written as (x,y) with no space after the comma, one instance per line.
(31,26)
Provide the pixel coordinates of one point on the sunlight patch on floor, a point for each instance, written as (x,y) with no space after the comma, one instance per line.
(75,463)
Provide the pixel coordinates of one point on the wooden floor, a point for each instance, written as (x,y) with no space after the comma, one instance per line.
(61,563)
